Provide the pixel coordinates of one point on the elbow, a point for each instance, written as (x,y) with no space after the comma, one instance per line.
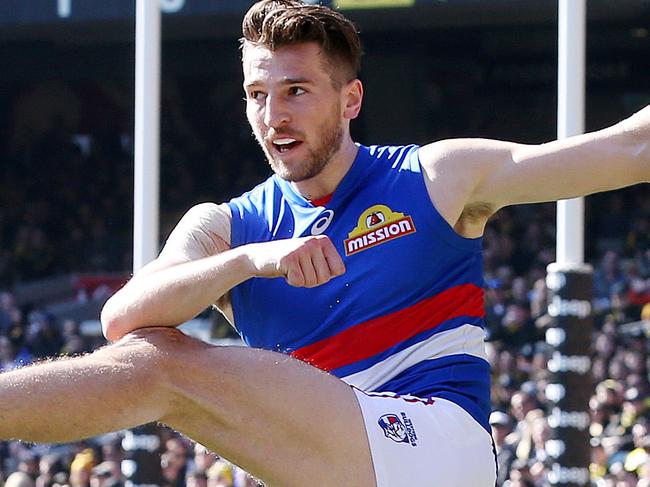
(113,324)
(110,331)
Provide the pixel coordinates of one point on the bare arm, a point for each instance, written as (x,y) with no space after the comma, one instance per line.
(470,179)
(170,293)
(192,250)
(183,281)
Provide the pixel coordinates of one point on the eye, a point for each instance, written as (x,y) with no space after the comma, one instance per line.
(255,94)
(296,90)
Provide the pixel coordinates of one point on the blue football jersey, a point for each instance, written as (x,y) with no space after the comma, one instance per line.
(407,315)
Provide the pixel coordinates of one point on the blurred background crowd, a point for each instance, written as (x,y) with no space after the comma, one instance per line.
(66,154)
(100,462)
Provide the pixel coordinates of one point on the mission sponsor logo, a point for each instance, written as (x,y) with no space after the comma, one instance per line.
(376,225)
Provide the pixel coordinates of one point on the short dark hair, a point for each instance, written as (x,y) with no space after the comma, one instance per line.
(278,23)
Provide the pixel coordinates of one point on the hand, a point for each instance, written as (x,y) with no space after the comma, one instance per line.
(303,262)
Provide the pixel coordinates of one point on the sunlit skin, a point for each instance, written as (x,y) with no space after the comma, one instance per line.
(291,96)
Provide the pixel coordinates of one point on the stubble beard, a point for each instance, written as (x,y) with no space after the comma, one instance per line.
(330,137)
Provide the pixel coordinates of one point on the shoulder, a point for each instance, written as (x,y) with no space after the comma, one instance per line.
(204,230)
(207,211)
(464,154)
(453,169)
(208,217)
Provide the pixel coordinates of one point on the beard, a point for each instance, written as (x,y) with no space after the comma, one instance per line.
(329,140)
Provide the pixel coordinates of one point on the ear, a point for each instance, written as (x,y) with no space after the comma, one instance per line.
(353,96)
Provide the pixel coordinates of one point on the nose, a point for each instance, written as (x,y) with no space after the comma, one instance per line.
(276,112)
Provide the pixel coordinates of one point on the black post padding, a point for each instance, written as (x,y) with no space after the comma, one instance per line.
(142,448)
(570,386)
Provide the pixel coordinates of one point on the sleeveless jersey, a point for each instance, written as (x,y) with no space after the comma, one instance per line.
(407,315)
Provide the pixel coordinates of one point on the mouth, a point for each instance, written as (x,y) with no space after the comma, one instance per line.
(284,145)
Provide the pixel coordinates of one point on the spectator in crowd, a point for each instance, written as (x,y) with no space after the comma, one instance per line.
(203,459)
(196,479)
(106,474)
(81,467)
(221,475)
(48,466)
(503,444)
(174,462)
(19,479)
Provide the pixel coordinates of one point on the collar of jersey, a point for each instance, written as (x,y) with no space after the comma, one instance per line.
(345,186)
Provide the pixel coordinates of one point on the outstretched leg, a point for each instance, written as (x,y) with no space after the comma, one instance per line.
(116,387)
(284,421)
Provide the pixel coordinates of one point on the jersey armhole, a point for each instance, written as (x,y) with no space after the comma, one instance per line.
(445,230)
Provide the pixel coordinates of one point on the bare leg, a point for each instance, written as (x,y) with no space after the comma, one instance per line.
(284,421)
(69,399)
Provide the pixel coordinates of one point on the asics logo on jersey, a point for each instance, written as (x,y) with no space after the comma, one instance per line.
(323,221)
(376,225)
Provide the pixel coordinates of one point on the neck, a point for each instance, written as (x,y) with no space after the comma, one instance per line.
(325,182)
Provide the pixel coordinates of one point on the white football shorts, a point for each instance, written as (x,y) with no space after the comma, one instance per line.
(418,442)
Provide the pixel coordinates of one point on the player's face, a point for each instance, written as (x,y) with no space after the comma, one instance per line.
(293,107)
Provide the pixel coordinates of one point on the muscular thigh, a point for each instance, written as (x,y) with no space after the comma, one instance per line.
(283,420)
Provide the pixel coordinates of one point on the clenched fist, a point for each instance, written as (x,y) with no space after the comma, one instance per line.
(303,262)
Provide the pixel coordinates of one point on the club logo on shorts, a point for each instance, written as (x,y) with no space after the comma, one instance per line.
(376,225)
(393,428)
(398,430)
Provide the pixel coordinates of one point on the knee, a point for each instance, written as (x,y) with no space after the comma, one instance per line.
(145,363)
(162,338)
(165,362)
(153,354)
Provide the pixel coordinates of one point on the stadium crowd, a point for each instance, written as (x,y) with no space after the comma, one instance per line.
(49,211)
(517,318)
